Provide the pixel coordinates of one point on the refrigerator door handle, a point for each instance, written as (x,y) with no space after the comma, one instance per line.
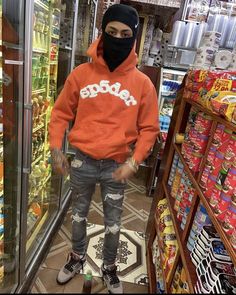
(28,138)
(14,62)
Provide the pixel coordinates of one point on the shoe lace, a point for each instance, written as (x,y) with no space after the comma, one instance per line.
(72,262)
(112,276)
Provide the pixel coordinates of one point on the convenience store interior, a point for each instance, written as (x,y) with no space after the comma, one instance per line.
(178,232)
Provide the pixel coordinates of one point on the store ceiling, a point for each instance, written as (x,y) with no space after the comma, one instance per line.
(164,15)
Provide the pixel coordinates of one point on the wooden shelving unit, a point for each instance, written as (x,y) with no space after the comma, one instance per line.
(178,125)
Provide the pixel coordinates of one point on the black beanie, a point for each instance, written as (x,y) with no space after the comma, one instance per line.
(122,13)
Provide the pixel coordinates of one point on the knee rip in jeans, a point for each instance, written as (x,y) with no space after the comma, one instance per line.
(77,218)
(114,196)
(112,229)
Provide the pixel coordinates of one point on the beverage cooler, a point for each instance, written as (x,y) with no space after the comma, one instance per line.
(37,49)
(169,84)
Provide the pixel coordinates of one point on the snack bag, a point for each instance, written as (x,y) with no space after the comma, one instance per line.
(224,104)
(161,206)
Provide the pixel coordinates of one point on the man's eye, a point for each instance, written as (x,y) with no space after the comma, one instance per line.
(113,33)
(126,35)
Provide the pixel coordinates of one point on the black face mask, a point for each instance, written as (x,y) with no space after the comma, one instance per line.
(116,50)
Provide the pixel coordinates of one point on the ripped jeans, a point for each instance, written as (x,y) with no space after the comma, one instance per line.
(85,173)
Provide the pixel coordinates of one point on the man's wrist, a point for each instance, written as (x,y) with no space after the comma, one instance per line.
(132,164)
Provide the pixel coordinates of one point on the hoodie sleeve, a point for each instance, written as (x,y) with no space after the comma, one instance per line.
(63,111)
(148,122)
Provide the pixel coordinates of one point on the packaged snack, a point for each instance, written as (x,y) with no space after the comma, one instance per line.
(226,284)
(229,222)
(224,103)
(161,207)
(165,220)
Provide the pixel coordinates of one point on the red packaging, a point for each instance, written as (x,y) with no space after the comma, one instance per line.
(219,158)
(210,185)
(226,136)
(193,134)
(230,181)
(203,123)
(229,222)
(230,152)
(223,173)
(200,143)
(191,194)
(195,162)
(211,157)
(223,204)
(215,196)
(204,177)
(186,149)
(233,198)
(219,80)
(217,136)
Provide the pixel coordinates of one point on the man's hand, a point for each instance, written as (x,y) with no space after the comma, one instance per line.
(60,164)
(123,173)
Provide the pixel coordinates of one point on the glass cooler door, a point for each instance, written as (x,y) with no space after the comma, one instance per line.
(170,82)
(69,14)
(43,190)
(11,110)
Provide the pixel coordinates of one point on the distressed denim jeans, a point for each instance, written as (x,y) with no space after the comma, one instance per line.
(85,173)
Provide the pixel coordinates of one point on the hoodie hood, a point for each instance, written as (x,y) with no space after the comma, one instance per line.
(95,51)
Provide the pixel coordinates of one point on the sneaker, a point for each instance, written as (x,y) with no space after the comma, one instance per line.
(71,268)
(111,279)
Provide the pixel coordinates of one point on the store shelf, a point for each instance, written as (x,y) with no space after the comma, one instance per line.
(42,5)
(215,117)
(223,235)
(53,62)
(46,180)
(37,91)
(55,36)
(35,229)
(173,47)
(184,253)
(38,128)
(151,271)
(165,3)
(170,94)
(65,48)
(37,160)
(40,50)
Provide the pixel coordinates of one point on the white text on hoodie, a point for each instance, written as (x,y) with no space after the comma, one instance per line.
(92,90)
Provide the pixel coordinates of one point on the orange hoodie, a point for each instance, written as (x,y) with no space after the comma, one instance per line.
(111,109)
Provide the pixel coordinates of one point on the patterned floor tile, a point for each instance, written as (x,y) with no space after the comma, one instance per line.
(131,254)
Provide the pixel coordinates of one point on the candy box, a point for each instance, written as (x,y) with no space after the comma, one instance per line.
(204,286)
(202,267)
(218,252)
(217,268)
(226,284)
(218,135)
(209,234)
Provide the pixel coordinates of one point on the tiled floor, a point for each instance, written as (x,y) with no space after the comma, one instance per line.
(131,254)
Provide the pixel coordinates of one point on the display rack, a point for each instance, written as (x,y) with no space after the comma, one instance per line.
(178,125)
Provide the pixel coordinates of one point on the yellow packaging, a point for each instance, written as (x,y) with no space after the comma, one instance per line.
(179,137)
(161,206)
(222,85)
(170,255)
(224,104)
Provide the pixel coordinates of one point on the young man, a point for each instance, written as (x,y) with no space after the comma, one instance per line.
(115,110)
